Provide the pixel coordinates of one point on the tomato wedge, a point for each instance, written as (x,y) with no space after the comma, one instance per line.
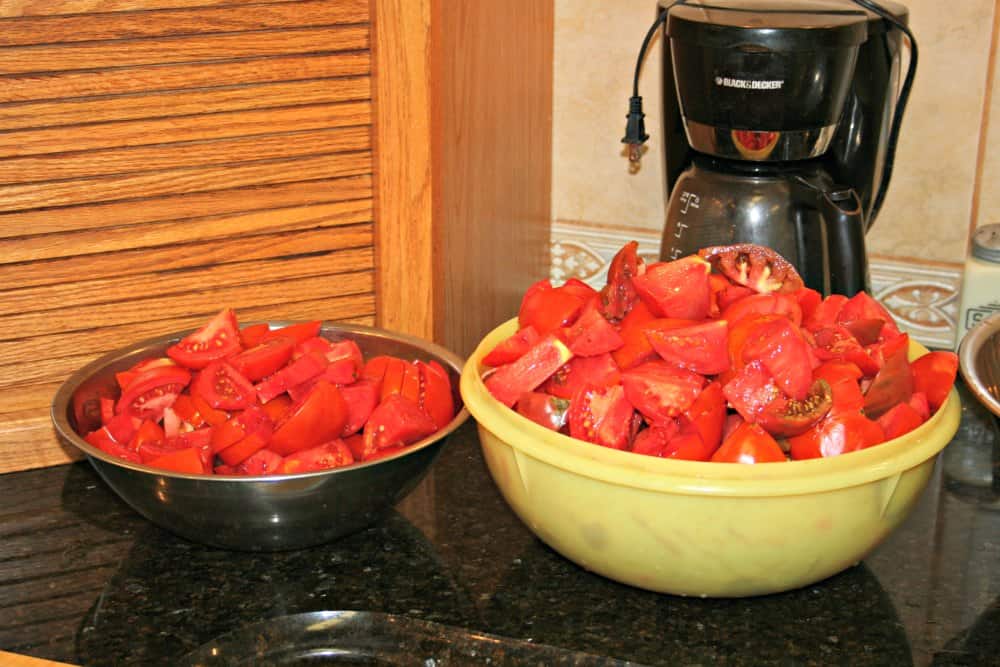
(601,415)
(318,417)
(700,348)
(223,387)
(151,391)
(749,444)
(509,381)
(660,390)
(218,339)
(549,308)
(678,289)
(894,382)
(578,371)
(333,454)
(512,347)
(761,269)
(619,295)
(395,421)
(262,360)
(838,432)
(933,375)
(545,409)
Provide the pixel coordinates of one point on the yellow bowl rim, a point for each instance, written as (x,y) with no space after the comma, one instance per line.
(698,477)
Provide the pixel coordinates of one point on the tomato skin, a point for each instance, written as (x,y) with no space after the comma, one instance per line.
(318,417)
(779,346)
(601,415)
(262,462)
(545,409)
(934,375)
(303,369)
(899,420)
(761,269)
(147,433)
(253,334)
(636,348)
(751,390)
(252,421)
(299,332)
(579,371)
(361,398)
(592,334)
(862,306)
(223,387)
(218,339)
(839,432)
(689,445)
(843,377)
(784,417)
(508,382)
(707,414)
(653,440)
(182,460)
(826,313)
(435,393)
(237,453)
(749,444)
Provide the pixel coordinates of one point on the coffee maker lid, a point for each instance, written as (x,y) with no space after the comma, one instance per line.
(779,25)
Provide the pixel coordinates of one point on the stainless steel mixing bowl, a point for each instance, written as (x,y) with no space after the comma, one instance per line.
(272,513)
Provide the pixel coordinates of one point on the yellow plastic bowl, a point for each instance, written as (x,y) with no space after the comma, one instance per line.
(697,528)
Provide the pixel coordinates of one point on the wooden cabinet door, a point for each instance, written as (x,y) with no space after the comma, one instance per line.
(162,159)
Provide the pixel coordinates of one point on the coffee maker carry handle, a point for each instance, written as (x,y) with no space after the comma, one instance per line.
(844,218)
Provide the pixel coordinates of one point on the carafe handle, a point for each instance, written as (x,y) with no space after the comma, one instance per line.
(845,232)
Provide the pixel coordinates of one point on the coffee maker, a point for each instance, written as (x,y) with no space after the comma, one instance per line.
(780,121)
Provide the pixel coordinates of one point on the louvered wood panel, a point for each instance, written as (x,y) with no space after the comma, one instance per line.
(163,159)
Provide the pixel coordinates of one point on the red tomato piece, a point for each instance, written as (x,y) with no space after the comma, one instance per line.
(763,304)
(783,351)
(653,440)
(548,310)
(253,334)
(918,401)
(894,382)
(512,347)
(618,295)
(218,339)
(934,375)
(395,421)
(809,300)
(509,381)
(602,415)
(541,408)
(862,306)
(707,414)
(592,334)
(182,460)
(784,417)
(392,380)
(223,387)
(361,398)
(749,444)
(149,432)
(435,392)
(578,371)
(300,370)
(678,289)
(751,390)
(899,420)
(298,332)
(757,267)
(333,454)
(262,462)
(837,433)
(836,342)
(660,390)
(252,421)
(103,440)
(701,348)
(152,390)
(688,445)
(277,407)
(239,452)
(636,348)
(318,417)
(262,360)
(843,377)
(826,313)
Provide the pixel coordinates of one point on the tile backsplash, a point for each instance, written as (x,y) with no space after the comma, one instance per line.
(942,185)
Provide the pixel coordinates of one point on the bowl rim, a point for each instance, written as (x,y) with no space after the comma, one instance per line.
(702,477)
(63,396)
(968,350)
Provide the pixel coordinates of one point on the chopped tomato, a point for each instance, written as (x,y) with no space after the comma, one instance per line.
(783,351)
(602,415)
(636,348)
(899,420)
(749,443)
(678,289)
(894,382)
(689,445)
(651,441)
(182,460)
(549,309)
(619,295)
(252,335)
(827,313)
(751,390)
(216,340)
(301,370)
(764,304)
(152,390)
(395,421)
(592,333)
(761,269)
(660,390)
(708,415)
(262,462)
(862,306)
(223,387)
(333,454)
(361,398)
(545,409)
(298,332)
(252,421)
(318,417)
(258,362)
(838,432)
(239,452)
(509,381)
(148,432)
(435,395)
(843,377)
(512,347)
(784,417)
(933,375)
(700,347)
(578,371)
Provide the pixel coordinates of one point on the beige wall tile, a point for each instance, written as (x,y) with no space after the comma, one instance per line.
(989,196)
(928,210)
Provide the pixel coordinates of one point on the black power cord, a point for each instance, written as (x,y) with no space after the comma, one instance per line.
(635,127)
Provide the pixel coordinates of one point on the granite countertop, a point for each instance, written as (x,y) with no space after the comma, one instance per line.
(84,579)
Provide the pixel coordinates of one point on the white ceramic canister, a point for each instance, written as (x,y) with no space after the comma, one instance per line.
(980,295)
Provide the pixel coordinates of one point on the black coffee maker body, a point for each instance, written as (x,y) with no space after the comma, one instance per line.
(779,120)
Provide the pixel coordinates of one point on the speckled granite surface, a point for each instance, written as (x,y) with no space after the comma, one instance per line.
(84,579)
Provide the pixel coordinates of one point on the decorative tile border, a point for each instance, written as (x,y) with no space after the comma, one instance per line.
(922,296)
